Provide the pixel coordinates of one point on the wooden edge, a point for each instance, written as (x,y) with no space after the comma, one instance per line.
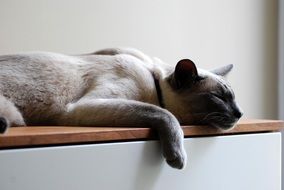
(244,126)
(57,135)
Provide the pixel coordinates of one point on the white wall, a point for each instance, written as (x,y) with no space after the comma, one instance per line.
(212,33)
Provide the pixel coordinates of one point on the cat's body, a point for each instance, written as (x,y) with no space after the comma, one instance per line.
(42,85)
(113,87)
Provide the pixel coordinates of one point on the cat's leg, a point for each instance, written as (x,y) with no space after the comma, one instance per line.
(121,112)
(9,115)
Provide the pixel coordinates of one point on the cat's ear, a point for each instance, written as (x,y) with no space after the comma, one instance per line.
(185,73)
(223,71)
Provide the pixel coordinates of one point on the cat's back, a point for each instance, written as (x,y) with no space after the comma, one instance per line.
(40,82)
(120,76)
(41,68)
(37,59)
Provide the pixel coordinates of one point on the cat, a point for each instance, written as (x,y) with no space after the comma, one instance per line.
(115,87)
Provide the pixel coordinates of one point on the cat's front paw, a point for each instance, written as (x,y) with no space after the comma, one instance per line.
(174,151)
(178,160)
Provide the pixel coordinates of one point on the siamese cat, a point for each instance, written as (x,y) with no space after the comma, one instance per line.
(115,87)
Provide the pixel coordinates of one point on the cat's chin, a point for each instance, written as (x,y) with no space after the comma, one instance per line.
(224,127)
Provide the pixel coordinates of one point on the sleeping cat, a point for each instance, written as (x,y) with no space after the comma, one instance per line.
(115,87)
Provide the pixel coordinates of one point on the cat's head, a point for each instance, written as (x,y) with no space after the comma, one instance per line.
(202,97)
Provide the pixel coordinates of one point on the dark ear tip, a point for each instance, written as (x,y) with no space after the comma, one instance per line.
(186,64)
(185,61)
(230,66)
(223,71)
(186,68)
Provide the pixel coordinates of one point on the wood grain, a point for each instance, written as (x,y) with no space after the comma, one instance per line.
(59,135)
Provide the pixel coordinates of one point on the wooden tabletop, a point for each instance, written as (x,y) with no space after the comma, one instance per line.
(60,135)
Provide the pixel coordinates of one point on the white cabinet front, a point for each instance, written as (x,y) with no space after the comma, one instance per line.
(238,162)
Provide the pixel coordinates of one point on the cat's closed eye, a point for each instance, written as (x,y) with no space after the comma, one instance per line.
(225,96)
(218,96)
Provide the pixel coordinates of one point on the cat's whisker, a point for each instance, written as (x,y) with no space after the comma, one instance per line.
(219,118)
(210,115)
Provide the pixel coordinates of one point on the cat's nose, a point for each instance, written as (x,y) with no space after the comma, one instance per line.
(238,113)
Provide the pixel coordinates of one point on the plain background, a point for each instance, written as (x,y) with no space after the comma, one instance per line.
(210,32)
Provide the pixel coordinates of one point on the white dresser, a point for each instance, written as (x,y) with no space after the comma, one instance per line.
(74,158)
